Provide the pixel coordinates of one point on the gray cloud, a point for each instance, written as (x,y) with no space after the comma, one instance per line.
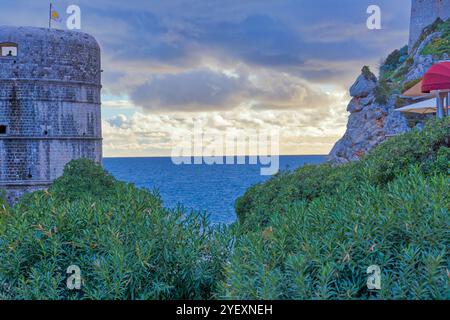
(182,34)
(202,89)
(275,57)
(206,89)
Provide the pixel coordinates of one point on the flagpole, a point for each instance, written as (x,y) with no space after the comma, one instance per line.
(50,16)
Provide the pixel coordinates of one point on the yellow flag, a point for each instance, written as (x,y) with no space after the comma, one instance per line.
(55,16)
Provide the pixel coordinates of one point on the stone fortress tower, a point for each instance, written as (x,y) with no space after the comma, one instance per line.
(424,13)
(50,82)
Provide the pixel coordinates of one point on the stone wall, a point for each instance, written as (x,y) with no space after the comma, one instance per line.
(424,13)
(49,106)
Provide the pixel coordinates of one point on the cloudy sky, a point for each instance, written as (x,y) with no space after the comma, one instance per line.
(226,65)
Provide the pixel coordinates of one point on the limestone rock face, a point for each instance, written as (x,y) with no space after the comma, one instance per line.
(362,86)
(358,103)
(369,123)
(421,63)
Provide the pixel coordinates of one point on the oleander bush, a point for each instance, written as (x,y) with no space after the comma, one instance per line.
(313,233)
(307,234)
(321,249)
(426,149)
(81,179)
(127,245)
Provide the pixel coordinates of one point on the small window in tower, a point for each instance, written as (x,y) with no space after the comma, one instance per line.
(8,49)
(3,129)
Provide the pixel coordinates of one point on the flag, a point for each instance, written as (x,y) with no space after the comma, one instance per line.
(55,16)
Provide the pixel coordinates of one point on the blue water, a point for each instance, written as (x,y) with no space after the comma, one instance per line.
(211,188)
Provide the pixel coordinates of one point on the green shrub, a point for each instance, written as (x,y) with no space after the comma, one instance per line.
(434,27)
(368,74)
(309,234)
(438,47)
(322,249)
(83,177)
(313,233)
(382,92)
(418,147)
(126,244)
(379,167)
(393,62)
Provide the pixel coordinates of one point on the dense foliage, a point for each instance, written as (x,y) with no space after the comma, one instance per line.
(307,234)
(439,46)
(312,234)
(395,67)
(395,59)
(427,31)
(125,243)
(421,148)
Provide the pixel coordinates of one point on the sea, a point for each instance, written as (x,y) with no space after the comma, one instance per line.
(209,188)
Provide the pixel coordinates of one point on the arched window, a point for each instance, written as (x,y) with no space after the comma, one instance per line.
(8,49)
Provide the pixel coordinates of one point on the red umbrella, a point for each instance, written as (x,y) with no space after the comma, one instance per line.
(437,78)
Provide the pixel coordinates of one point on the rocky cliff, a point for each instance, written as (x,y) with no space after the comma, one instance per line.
(369,122)
(372,117)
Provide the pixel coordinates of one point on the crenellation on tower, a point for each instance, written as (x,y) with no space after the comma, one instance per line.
(50,83)
(424,13)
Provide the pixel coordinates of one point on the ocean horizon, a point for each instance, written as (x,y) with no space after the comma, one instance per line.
(209,188)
